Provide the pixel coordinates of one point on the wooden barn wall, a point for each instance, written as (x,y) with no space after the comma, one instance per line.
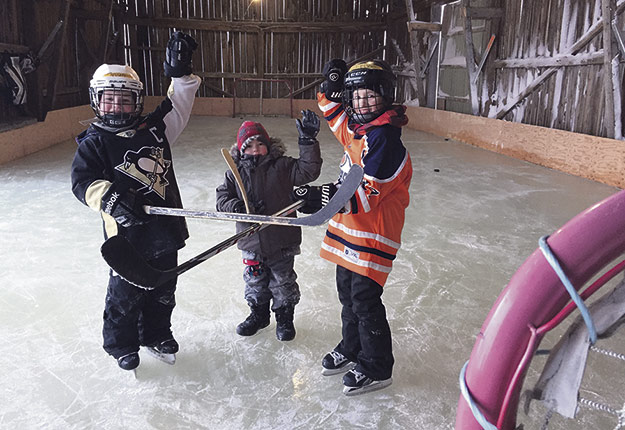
(572,99)
(532,36)
(67,44)
(287,41)
(283,40)
(10,39)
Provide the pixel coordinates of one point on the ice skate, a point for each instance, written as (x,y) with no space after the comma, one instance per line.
(164,351)
(334,363)
(129,362)
(358,383)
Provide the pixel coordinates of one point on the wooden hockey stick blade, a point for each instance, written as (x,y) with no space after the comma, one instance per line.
(237,177)
(128,263)
(347,189)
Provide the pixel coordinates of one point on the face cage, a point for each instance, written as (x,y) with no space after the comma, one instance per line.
(378,108)
(118,119)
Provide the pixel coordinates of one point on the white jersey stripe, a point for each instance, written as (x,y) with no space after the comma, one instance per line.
(365,235)
(358,262)
(338,122)
(329,106)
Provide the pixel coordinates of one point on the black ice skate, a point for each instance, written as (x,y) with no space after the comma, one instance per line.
(359,383)
(129,361)
(334,363)
(164,351)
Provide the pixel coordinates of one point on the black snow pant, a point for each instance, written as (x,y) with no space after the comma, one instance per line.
(366,333)
(135,316)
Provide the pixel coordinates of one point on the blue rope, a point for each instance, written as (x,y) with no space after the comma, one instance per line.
(553,261)
(477,414)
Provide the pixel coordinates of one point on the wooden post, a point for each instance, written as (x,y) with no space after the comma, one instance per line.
(470,59)
(431,77)
(611,85)
(55,64)
(416,54)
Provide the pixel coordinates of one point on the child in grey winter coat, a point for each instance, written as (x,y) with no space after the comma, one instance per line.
(269,255)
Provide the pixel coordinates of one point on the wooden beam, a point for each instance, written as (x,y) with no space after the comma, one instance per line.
(484,12)
(593,31)
(432,70)
(423,25)
(470,60)
(254,27)
(611,85)
(416,54)
(14,49)
(555,61)
(55,64)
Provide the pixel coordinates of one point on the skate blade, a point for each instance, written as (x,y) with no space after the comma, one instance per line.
(165,358)
(329,372)
(374,386)
(132,373)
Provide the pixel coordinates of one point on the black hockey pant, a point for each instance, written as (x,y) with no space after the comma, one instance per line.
(134,316)
(366,333)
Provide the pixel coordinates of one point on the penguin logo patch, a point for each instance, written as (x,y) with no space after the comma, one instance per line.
(147,166)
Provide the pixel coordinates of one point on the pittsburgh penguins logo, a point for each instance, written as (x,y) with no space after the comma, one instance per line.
(147,166)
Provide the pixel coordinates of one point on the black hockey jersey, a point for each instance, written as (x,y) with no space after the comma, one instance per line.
(138,158)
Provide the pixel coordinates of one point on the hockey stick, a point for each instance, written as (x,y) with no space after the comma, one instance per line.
(128,263)
(347,189)
(237,177)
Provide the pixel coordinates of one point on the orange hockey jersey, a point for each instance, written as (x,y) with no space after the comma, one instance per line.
(366,238)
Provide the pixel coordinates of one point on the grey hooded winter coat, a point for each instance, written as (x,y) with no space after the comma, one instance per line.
(269,181)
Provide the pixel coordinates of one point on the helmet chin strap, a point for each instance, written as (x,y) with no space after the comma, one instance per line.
(116,129)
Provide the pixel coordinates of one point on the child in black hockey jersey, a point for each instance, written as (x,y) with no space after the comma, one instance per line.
(124,161)
(269,255)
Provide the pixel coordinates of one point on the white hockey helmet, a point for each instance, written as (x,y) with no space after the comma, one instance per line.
(118,81)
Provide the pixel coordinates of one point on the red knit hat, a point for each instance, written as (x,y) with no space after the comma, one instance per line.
(249,131)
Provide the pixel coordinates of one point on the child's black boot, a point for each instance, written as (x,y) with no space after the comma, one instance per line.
(285,330)
(257,319)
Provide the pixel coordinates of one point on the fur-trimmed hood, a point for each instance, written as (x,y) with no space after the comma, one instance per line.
(276,149)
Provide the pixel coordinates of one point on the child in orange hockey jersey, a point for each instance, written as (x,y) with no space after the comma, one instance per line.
(364,239)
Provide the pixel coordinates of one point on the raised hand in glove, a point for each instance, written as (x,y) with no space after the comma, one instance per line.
(178,56)
(334,71)
(307,127)
(125,205)
(314,196)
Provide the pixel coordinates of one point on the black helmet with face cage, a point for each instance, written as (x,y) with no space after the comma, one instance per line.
(375,75)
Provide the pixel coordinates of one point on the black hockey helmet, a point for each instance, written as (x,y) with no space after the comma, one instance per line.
(375,75)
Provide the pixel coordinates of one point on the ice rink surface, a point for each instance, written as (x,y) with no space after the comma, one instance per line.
(474,217)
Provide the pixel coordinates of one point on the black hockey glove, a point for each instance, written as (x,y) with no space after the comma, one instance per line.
(126,206)
(179,55)
(334,71)
(239,207)
(258,207)
(308,127)
(315,196)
